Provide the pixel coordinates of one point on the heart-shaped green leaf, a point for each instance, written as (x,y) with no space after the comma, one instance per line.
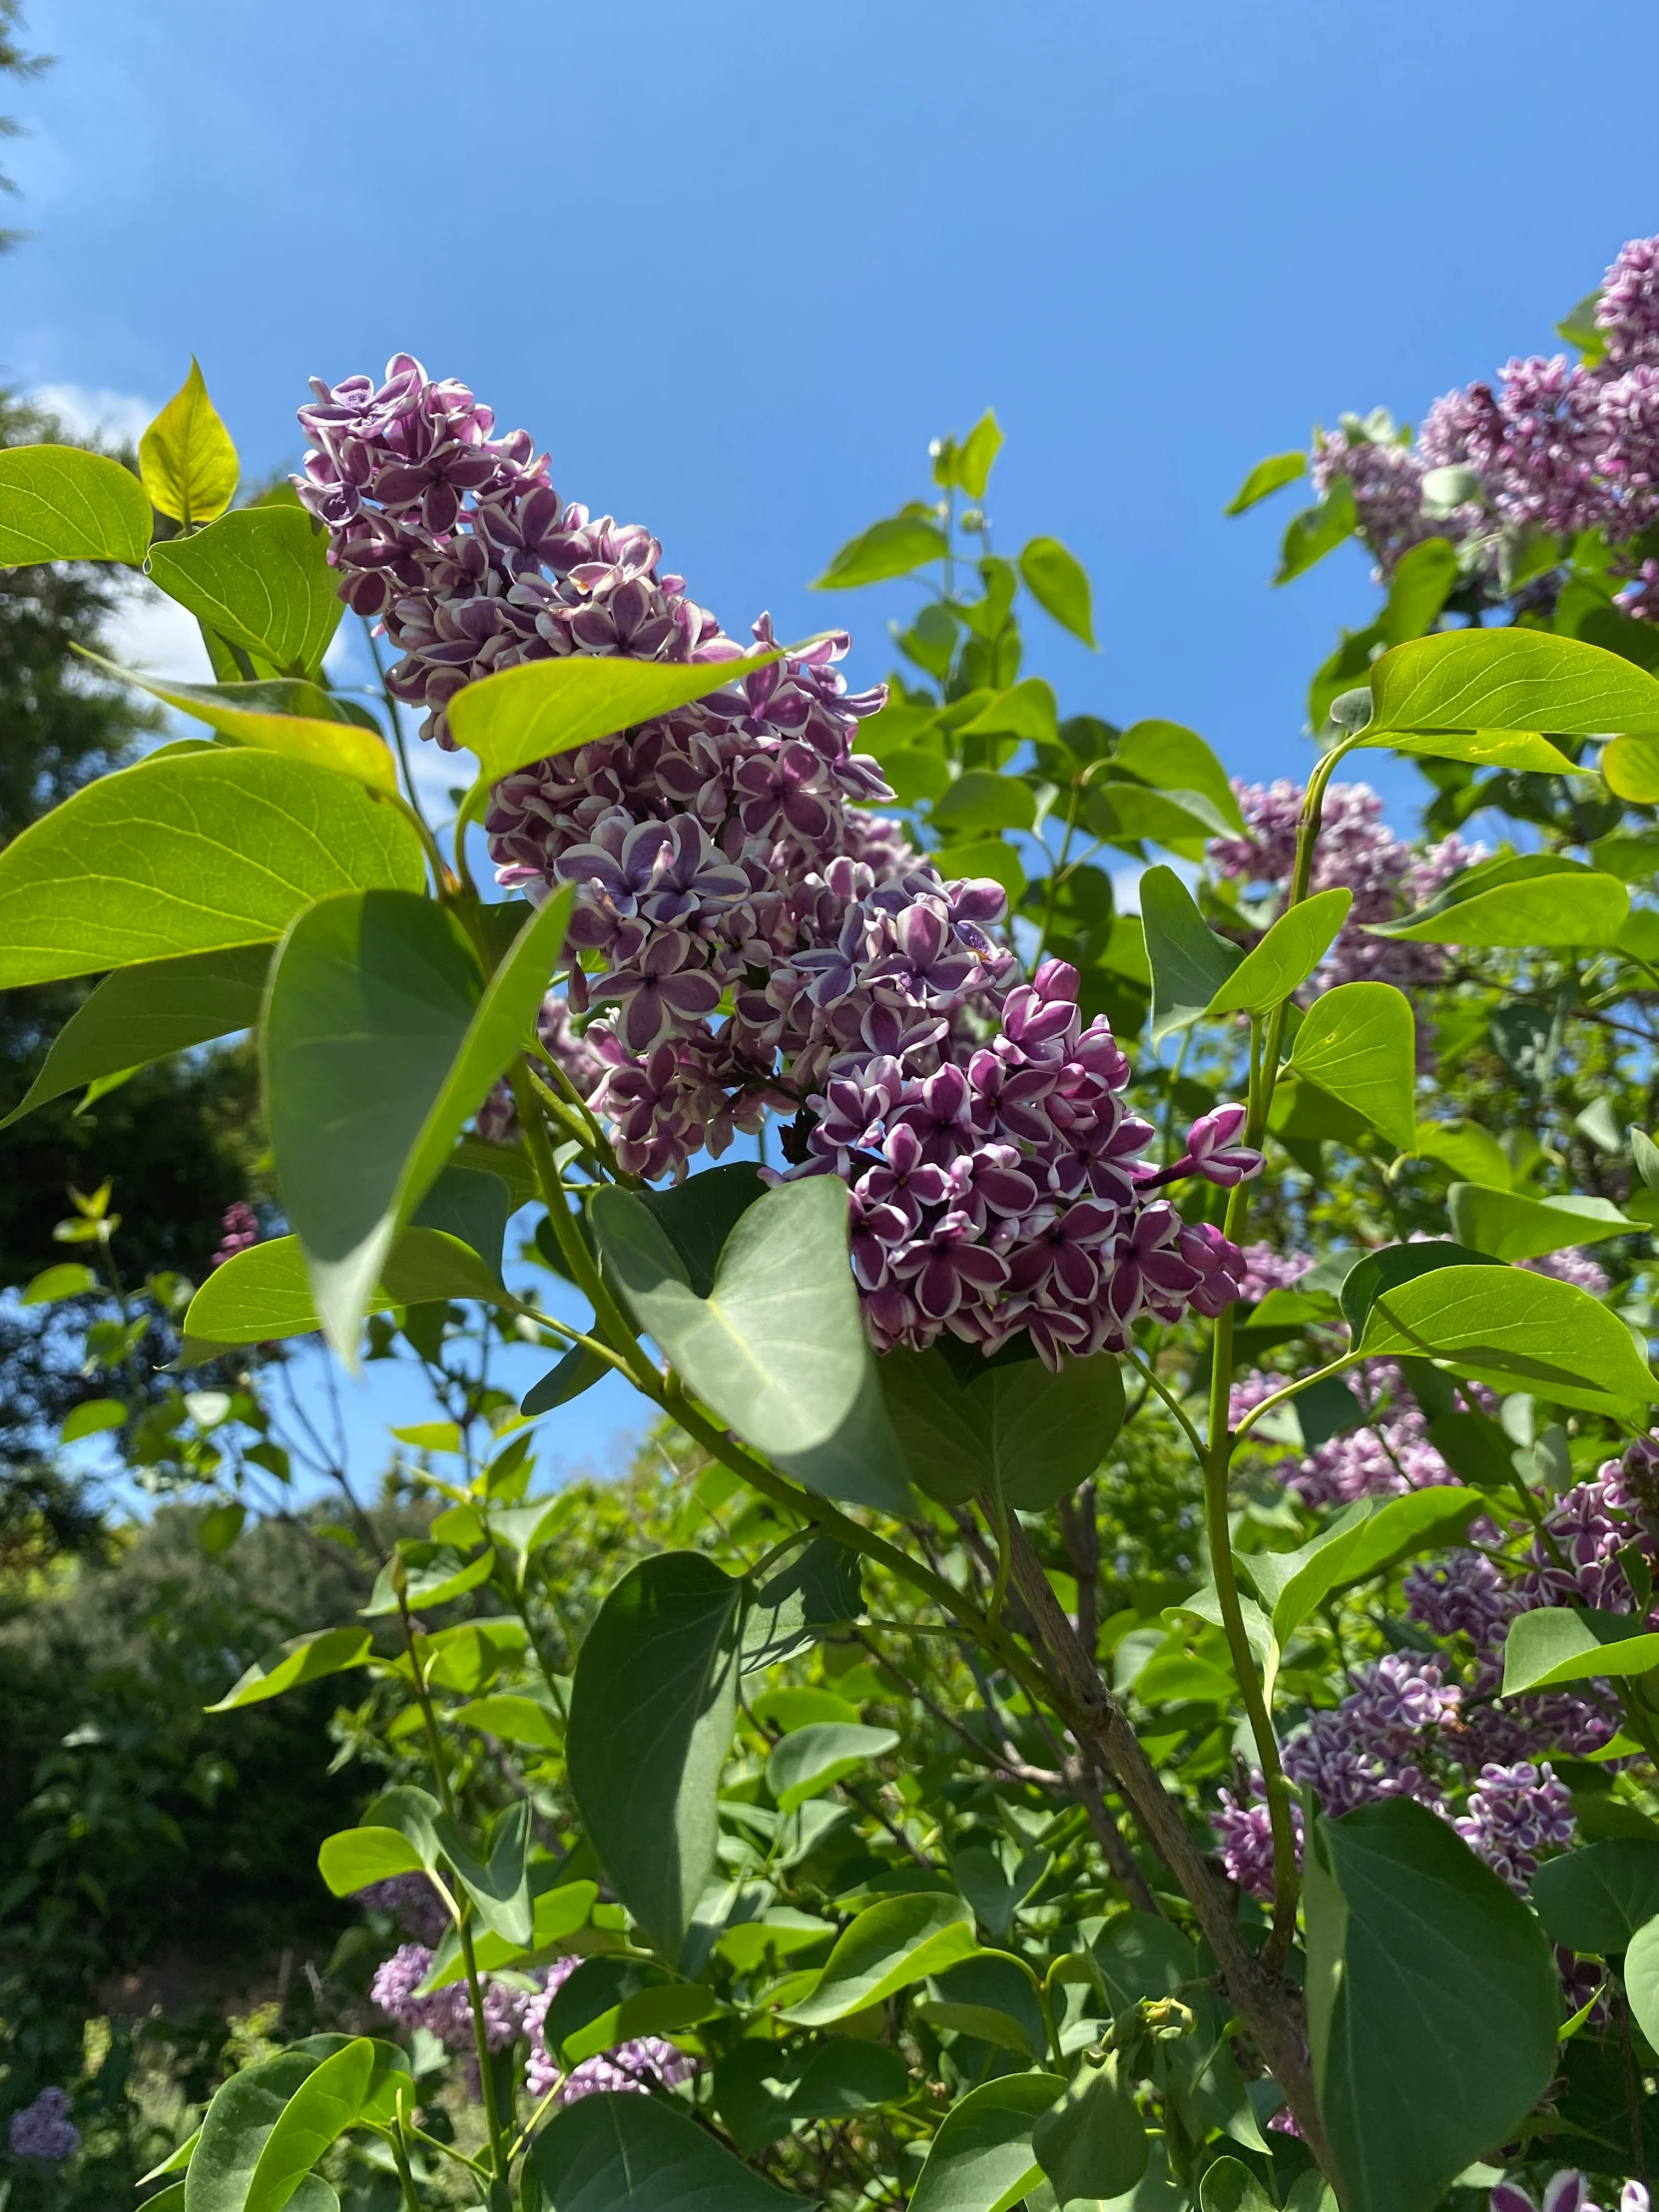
(1189,962)
(981,2158)
(778,1349)
(1358,1044)
(1597,1898)
(58,503)
(1040,1435)
(187,460)
(259,577)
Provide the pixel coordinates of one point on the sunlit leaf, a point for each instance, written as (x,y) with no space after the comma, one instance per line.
(259,577)
(1059,584)
(187,460)
(58,503)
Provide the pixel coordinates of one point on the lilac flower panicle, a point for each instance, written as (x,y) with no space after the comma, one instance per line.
(747,940)
(447,2012)
(44,2129)
(412,1898)
(237,1232)
(1576,1267)
(1266,1269)
(1514,1813)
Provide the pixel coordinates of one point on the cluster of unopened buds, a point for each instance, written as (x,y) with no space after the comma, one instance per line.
(747,941)
(1557,446)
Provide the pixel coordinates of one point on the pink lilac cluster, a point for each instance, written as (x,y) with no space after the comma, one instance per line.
(238,1230)
(647,2063)
(1566,2191)
(44,2129)
(412,1900)
(1358,852)
(447,2012)
(746,940)
(1556,446)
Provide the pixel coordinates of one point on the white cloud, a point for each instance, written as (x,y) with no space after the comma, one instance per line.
(120,416)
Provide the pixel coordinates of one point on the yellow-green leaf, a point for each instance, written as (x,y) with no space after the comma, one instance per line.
(185,458)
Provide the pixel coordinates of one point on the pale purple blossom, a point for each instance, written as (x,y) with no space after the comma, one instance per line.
(44,2129)
(1269,1270)
(1575,1266)
(447,2012)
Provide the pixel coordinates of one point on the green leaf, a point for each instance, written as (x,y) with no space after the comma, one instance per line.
(1316,531)
(301,1659)
(1230,2186)
(1513,1225)
(1173,759)
(1517,1331)
(1510,679)
(1126,814)
(541,708)
(240,2122)
(1286,957)
(1092,2143)
(814,1758)
(60,504)
(143,1013)
(973,458)
(981,2159)
(763,2091)
(190,854)
(651,1716)
(1363,1542)
(778,1349)
(1059,584)
(1143,1956)
(355,1857)
(264,1293)
(69,1278)
(892,548)
(380,1041)
(1027,710)
(1539,900)
(185,458)
(260,579)
(1573,1643)
(889,1946)
(389,2079)
(568,1377)
(514,1719)
(283,715)
(613,2152)
(1423,579)
(1515,749)
(978,800)
(820,1589)
(1189,962)
(1641,1979)
(1040,1433)
(699,1214)
(987,856)
(325,2105)
(1595,1899)
(91,1418)
(433,1574)
(1271,475)
(1631,769)
(1433,2003)
(1389,1266)
(1358,1044)
(499,1885)
(472,1206)
(1470,1152)
(916,776)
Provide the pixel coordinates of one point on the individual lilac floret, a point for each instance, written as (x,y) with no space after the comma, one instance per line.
(1514,1813)
(1214,1152)
(44,2129)
(647,2063)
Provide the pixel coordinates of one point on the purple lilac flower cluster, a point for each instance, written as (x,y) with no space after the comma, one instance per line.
(1556,446)
(649,2062)
(1358,852)
(238,1230)
(44,2129)
(1566,2191)
(1407,1731)
(447,2012)
(1267,1269)
(752,941)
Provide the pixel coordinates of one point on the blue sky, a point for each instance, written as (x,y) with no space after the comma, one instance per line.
(735,265)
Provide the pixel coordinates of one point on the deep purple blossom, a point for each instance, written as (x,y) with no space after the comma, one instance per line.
(237,1232)
(1514,1813)
(413,1900)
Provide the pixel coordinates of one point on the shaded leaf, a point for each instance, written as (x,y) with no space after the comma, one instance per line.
(613,2152)
(981,2159)
(1040,1433)
(238,2124)
(651,1717)
(812,1759)
(1597,1898)
(324,2106)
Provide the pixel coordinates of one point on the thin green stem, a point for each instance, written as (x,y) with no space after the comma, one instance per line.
(1142,1366)
(1281,1398)
(401,2160)
(997,1516)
